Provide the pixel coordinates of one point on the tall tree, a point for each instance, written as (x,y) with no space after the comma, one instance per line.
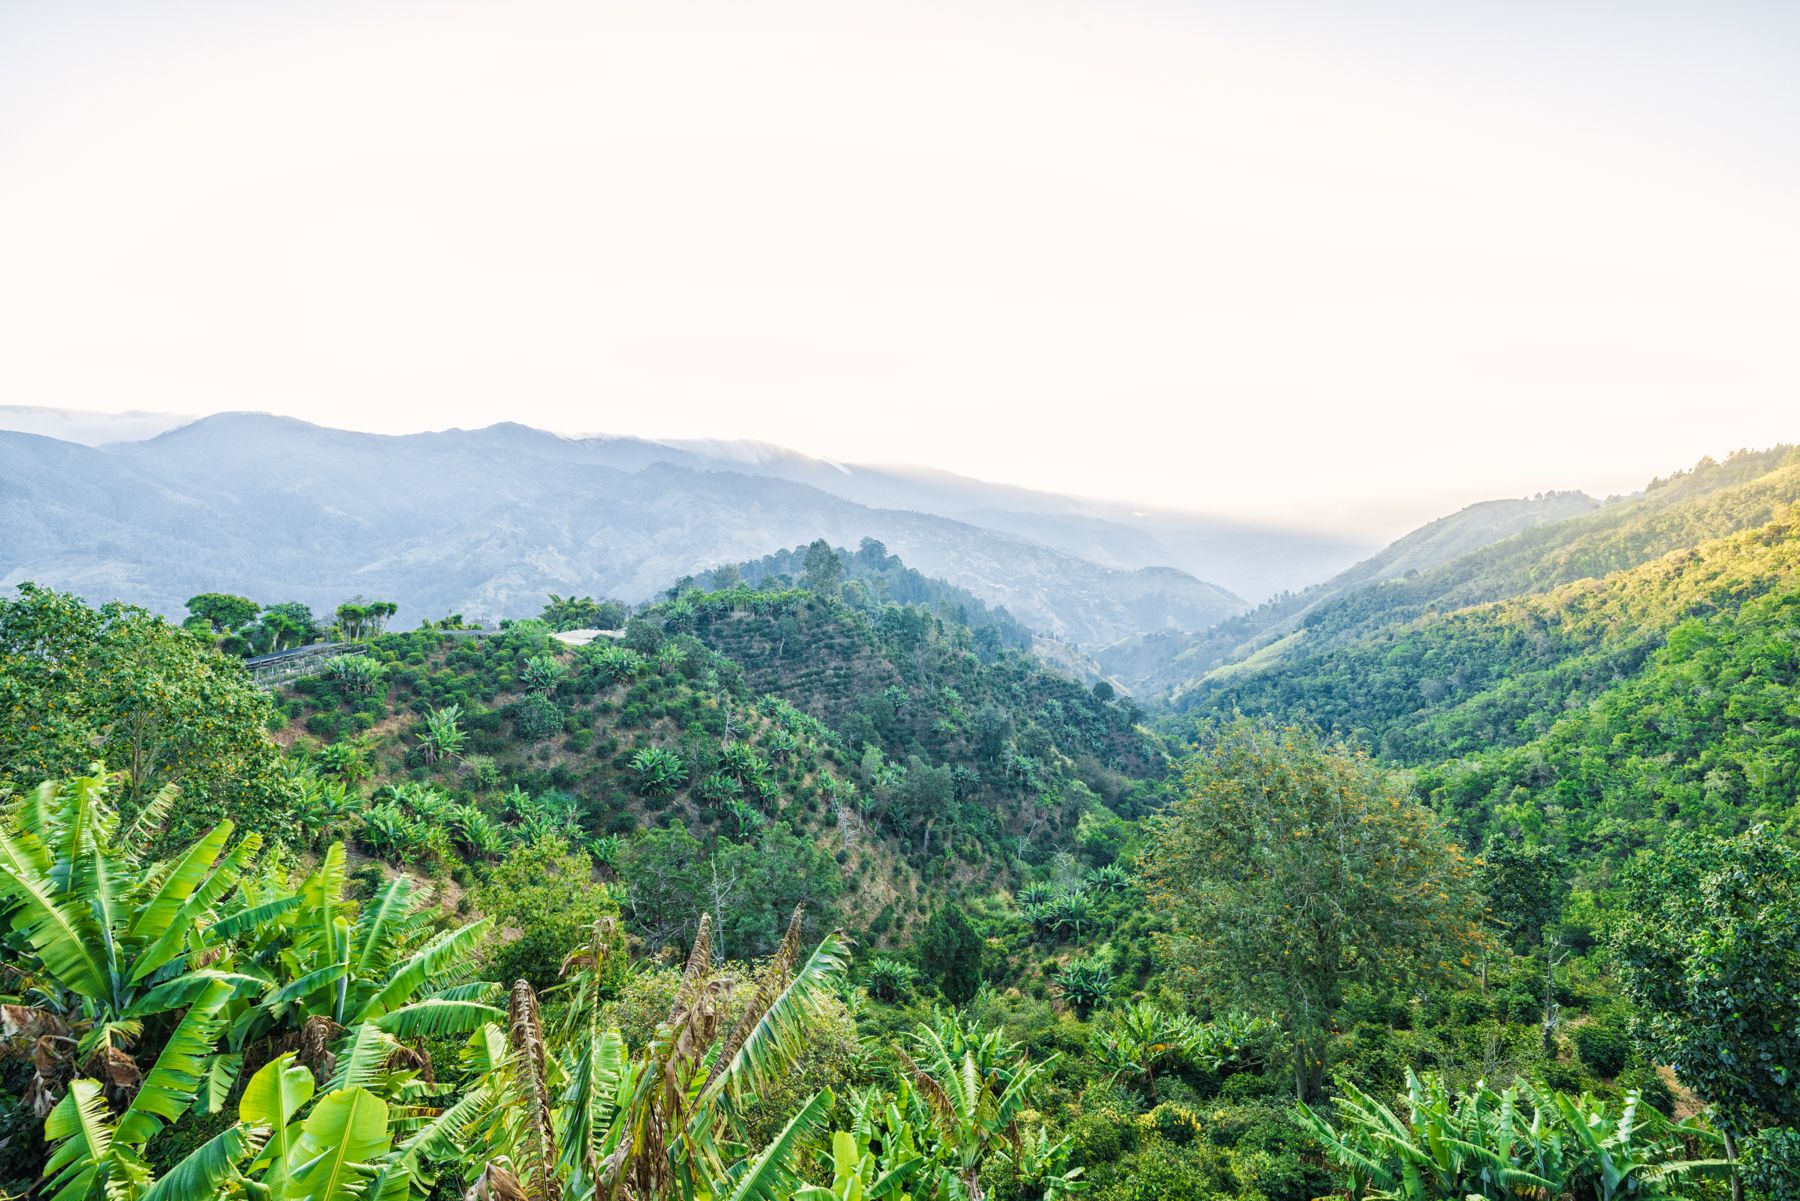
(1707,948)
(824,570)
(1292,865)
(153,701)
(950,952)
(221,612)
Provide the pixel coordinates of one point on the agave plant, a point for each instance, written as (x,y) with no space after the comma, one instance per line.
(1521,1142)
(106,937)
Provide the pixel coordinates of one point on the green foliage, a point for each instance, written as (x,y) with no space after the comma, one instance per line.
(659,771)
(582,613)
(1290,864)
(356,673)
(1084,983)
(950,954)
(443,736)
(890,980)
(537,717)
(1704,939)
(154,702)
(1483,1144)
(545,901)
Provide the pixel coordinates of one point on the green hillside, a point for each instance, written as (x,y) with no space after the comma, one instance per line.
(951,920)
(1409,581)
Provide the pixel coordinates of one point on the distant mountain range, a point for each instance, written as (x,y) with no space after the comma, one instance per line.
(1253,561)
(486,522)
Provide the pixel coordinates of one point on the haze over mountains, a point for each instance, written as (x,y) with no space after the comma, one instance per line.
(486,522)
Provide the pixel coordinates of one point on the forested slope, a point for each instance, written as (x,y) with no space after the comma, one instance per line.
(1524,549)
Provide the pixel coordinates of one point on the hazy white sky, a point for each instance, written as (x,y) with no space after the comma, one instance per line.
(1343,263)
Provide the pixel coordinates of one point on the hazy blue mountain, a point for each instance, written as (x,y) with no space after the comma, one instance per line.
(86,428)
(485,522)
(1251,560)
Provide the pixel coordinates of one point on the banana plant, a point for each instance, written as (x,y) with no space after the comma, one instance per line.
(858,1175)
(969,1095)
(1484,1145)
(348,1143)
(1141,1038)
(595,1121)
(324,958)
(106,937)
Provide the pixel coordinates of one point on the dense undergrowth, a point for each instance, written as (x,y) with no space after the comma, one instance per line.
(1076,955)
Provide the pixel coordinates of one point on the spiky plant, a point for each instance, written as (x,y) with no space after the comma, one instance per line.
(890,980)
(1084,983)
(659,772)
(443,736)
(1108,878)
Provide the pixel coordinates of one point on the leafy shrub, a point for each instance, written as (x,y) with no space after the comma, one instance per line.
(536,718)
(1604,1045)
(890,980)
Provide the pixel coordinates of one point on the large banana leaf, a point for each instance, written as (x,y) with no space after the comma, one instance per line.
(202,1174)
(435,1016)
(155,915)
(169,943)
(771,1175)
(172,1083)
(64,934)
(271,1101)
(339,1143)
(430,960)
(82,1128)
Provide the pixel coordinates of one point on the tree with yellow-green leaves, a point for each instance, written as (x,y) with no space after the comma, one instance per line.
(1291,866)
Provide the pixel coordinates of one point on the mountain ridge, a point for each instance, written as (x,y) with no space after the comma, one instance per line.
(486,522)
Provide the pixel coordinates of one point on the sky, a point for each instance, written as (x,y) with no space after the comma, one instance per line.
(1343,265)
